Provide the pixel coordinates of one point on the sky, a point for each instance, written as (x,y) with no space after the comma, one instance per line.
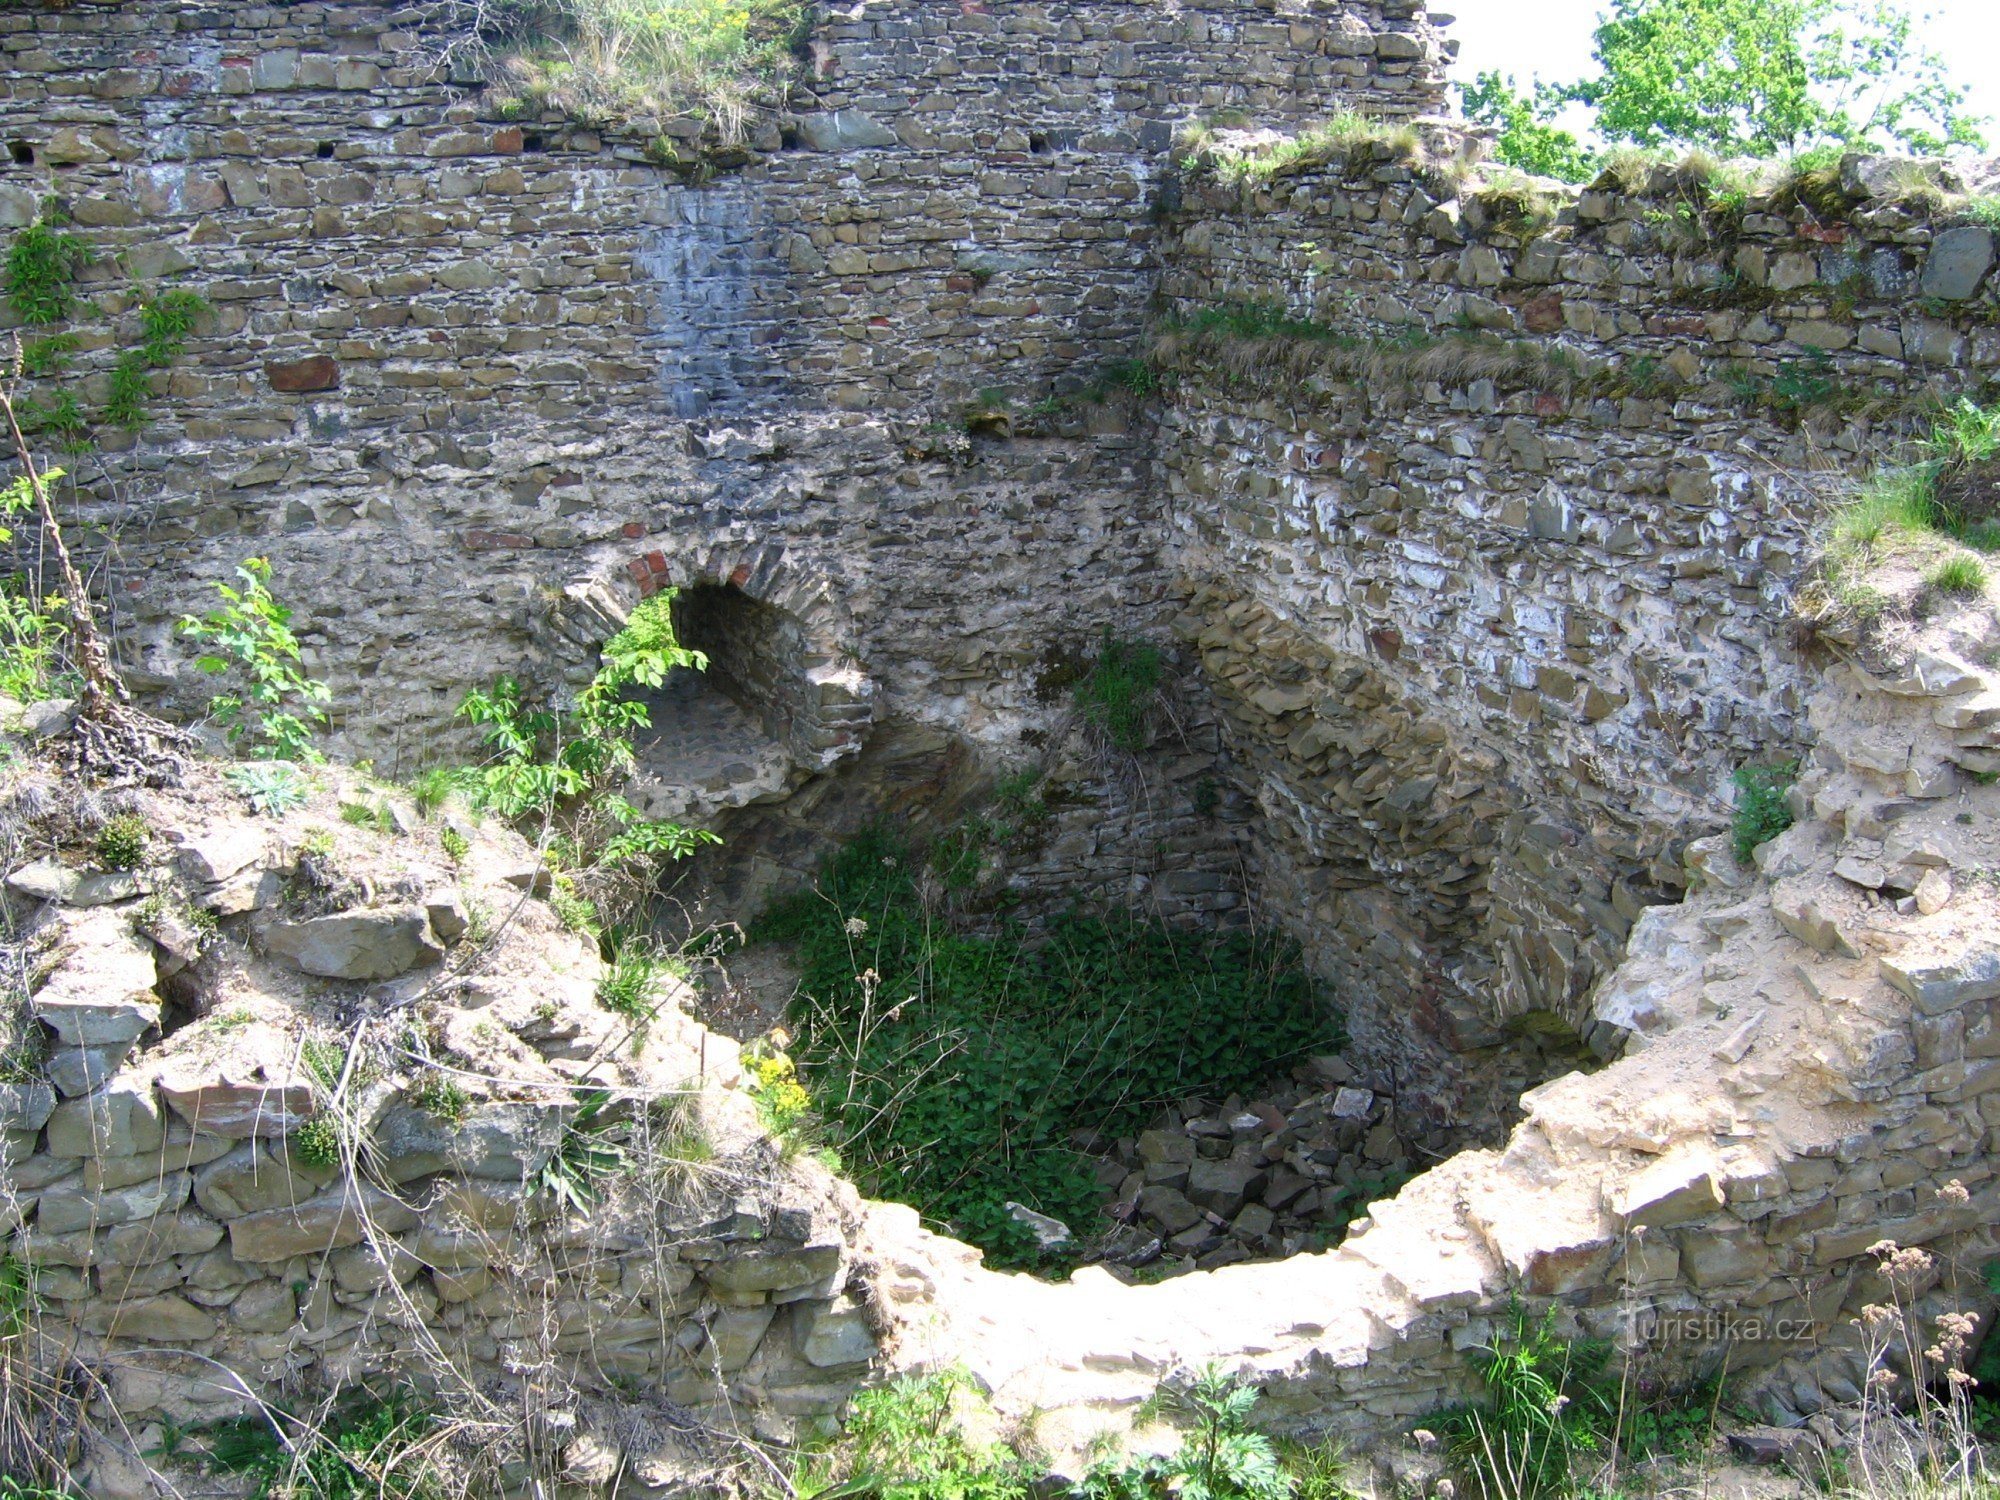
(1551,38)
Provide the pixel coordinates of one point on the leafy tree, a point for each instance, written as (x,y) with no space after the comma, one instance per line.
(1740,78)
(1528,137)
(1764,77)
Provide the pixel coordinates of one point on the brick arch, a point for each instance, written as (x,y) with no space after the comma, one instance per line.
(821,702)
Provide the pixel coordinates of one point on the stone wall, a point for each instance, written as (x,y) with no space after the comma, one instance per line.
(1489,551)
(302,1097)
(460,368)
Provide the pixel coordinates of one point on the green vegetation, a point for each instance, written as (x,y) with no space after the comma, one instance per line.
(368,1448)
(455,844)
(605,60)
(32,632)
(165,321)
(635,983)
(1118,696)
(587,1155)
(317,1142)
(556,769)
(43,264)
(122,842)
(272,788)
(276,706)
(1548,1405)
(1961,573)
(950,1070)
(437,1093)
(1929,518)
(42,267)
(1760,78)
(1220,1457)
(1761,812)
(905,1441)
(1256,159)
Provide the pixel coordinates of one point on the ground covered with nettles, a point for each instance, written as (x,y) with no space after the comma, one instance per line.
(964,1072)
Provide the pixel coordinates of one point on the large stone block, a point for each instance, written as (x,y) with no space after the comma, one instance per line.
(508,1142)
(332,1221)
(367,945)
(1957,264)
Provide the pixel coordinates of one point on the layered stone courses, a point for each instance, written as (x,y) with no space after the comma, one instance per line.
(1463,658)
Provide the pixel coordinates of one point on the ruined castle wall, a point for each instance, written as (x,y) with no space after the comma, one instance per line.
(459,364)
(1493,564)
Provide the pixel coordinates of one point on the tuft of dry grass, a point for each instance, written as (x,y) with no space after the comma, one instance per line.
(1233,152)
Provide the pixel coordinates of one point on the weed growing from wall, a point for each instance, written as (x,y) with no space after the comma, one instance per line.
(1761,813)
(905,1441)
(1548,1407)
(950,1070)
(1118,696)
(560,770)
(276,707)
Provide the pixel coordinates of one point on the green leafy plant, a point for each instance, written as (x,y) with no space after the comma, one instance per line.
(1761,811)
(437,1093)
(1547,1406)
(272,788)
(1770,77)
(455,844)
(42,267)
(317,1142)
(277,706)
(122,842)
(1118,695)
(368,1448)
(905,1441)
(584,1157)
(949,1067)
(1220,1456)
(1528,136)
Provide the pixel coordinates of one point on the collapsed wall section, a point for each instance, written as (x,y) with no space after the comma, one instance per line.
(1488,530)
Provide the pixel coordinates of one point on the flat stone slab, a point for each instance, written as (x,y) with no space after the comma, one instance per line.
(100,999)
(361,945)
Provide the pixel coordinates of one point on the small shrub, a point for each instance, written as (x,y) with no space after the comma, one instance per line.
(317,843)
(1761,813)
(1220,1457)
(1961,573)
(272,788)
(122,842)
(250,635)
(455,844)
(1118,695)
